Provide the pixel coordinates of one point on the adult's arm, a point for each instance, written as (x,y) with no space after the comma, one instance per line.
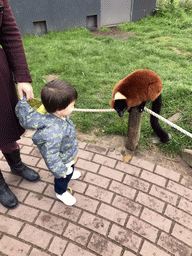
(10,39)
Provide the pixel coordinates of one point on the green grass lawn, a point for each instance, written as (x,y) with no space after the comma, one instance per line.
(95,64)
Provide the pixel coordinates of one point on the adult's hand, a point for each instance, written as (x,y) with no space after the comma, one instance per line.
(25,88)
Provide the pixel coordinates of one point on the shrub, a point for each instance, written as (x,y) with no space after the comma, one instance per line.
(173,9)
(187,6)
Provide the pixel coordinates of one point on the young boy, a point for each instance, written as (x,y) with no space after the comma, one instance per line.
(55,136)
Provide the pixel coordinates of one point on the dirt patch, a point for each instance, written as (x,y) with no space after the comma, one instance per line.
(153,155)
(177,51)
(115,32)
(49,78)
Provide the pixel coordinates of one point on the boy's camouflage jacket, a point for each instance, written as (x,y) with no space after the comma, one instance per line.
(55,137)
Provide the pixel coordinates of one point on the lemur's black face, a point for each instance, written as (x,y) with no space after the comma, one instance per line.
(120,106)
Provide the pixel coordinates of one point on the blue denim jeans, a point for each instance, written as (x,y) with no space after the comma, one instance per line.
(61,184)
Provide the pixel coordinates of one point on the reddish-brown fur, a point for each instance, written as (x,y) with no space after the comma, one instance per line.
(139,86)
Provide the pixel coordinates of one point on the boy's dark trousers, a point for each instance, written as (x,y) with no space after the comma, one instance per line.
(61,184)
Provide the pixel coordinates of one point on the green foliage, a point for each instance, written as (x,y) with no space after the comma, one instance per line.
(173,9)
(104,29)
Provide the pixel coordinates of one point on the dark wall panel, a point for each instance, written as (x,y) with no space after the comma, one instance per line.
(142,8)
(73,13)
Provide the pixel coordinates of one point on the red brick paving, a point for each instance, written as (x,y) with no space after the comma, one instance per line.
(138,208)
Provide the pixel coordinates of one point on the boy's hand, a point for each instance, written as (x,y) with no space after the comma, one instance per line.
(64,176)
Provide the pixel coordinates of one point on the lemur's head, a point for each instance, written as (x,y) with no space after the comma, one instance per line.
(119,103)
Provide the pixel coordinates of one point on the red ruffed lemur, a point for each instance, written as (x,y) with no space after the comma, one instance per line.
(134,90)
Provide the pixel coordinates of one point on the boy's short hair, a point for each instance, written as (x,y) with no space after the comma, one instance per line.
(57,95)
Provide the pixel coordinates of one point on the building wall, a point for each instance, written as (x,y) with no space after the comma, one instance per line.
(31,16)
(115,11)
(41,16)
(142,8)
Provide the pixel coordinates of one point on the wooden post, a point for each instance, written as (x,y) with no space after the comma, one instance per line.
(134,127)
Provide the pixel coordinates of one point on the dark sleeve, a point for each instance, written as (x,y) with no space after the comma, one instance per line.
(10,39)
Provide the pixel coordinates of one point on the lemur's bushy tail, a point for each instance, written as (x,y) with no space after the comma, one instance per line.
(156,107)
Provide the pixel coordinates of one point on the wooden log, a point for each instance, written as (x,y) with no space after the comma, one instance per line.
(134,127)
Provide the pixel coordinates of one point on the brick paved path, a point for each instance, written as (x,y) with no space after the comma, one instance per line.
(138,208)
